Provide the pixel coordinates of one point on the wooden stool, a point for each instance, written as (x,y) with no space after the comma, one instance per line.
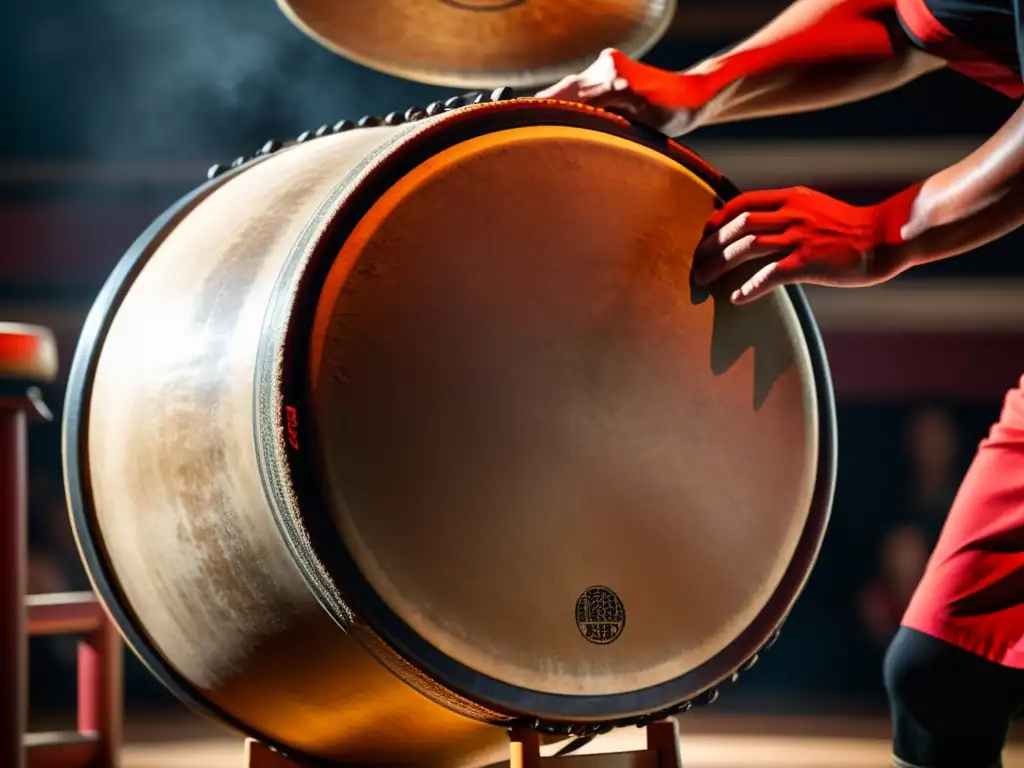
(96,741)
(28,356)
(524,752)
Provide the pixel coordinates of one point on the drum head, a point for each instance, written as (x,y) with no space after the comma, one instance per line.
(549,456)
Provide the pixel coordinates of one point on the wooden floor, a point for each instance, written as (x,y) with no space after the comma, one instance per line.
(709,741)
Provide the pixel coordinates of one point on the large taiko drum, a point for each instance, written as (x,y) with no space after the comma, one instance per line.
(387,439)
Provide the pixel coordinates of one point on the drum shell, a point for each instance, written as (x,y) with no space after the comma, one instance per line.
(162,429)
(159,445)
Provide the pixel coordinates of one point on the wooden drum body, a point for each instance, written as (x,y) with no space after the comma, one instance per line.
(400,435)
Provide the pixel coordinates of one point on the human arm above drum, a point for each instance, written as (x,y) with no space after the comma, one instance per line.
(810,237)
(815,54)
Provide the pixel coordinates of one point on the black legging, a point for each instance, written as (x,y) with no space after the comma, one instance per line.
(950,708)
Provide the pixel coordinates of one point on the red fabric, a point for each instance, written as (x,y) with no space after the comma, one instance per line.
(972,593)
(961,57)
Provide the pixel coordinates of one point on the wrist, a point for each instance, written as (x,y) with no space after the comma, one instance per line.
(895,224)
(669,91)
(712,99)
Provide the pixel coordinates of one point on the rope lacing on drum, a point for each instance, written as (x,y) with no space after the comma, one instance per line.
(368,121)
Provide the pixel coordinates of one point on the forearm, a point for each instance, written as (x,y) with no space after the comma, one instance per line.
(808,87)
(971,203)
(816,54)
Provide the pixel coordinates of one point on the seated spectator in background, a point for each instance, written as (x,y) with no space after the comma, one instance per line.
(905,552)
(932,448)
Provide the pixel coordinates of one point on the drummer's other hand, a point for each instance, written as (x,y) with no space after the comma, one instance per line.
(664,100)
(807,236)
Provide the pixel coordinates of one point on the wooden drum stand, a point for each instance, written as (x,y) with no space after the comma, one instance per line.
(28,356)
(524,752)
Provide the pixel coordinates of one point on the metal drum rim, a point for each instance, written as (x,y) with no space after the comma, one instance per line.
(287,327)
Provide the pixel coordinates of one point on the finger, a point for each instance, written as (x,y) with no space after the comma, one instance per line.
(783,272)
(565,89)
(712,267)
(766,200)
(606,87)
(747,223)
(558,87)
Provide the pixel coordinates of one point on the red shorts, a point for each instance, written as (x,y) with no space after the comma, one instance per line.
(972,593)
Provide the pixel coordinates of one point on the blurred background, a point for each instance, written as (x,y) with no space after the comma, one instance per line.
(112,109)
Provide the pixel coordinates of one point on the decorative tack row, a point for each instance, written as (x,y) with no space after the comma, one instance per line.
(369,121)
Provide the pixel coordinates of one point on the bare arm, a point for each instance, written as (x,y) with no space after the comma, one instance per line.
(775,72)
(971,203)
(809,237)
(815,54)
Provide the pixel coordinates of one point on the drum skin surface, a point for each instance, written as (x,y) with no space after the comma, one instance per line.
(526,411)
(396,436)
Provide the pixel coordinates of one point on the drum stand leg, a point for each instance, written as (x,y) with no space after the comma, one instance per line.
(524,752)
(13,638)
(662,751)
(258,755)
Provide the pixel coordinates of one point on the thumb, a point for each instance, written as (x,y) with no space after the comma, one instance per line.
(567,86)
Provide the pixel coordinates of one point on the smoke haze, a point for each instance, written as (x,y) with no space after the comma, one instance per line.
(182,78)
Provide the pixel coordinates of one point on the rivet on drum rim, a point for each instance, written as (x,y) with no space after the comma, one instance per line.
(708,697)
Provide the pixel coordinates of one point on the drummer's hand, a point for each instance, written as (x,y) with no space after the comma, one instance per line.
(664,100)
(807,236)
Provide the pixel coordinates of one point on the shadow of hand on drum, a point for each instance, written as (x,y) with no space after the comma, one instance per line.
(758,326)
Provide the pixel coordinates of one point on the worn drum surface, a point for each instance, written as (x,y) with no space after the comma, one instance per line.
(401,434)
